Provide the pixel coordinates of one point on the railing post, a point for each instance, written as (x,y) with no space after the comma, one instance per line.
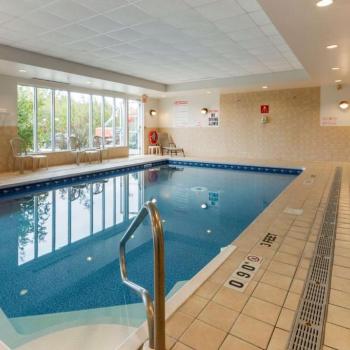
(159,278)
(155,311)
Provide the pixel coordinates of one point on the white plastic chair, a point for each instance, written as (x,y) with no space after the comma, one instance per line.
(19,153)
(96,150)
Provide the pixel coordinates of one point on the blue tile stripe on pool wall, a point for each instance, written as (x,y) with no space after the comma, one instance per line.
(43,185)
(241,167)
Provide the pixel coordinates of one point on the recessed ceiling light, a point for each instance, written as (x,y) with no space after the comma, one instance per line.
(22,71)
(265,87)
(338,81)
(324,3)
(335,68)
(89,258)
(331,47)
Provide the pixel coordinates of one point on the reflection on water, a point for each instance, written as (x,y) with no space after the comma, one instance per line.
(55,219)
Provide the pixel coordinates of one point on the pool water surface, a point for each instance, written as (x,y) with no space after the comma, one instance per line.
(59,265)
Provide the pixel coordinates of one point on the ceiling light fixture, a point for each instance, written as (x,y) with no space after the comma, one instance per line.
(335,68)
(344,105)
(265,87)
(153,112)
(338,81)
(22,71)
(324,3)
(204,111)
(331,47)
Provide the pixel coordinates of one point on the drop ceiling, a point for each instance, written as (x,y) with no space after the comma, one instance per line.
(165,41)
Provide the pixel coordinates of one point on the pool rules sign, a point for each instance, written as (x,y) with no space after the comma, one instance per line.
(241,277)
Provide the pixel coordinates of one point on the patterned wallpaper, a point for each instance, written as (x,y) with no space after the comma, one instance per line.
(293,131)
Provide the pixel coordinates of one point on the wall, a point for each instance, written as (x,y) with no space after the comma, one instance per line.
(331,114)
(8,127)
(150,122)
(293,133)
(8,119)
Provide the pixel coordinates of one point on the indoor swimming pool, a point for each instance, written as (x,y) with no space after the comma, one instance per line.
(59,265)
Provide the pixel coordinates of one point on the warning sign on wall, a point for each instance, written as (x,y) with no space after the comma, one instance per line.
(264,109)
(213,117)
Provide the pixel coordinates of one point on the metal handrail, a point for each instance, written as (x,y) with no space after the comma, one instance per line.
(155,312)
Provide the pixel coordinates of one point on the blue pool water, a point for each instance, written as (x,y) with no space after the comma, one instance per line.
(59,247)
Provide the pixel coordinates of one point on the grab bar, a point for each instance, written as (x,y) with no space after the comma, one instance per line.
(155,312)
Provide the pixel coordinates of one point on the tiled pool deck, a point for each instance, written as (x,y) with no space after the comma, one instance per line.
(216,317)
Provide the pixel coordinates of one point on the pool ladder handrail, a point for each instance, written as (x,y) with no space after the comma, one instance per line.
(155,311)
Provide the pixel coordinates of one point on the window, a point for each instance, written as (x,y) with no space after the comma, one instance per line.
(44,99)
(61,120)
(119,121)
(80,109)
(97,117)
(108,120)
(25,109)
(49,118)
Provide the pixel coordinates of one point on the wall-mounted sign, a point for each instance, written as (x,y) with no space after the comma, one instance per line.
(264,109)
(241,277)
(181,113)
(213,117)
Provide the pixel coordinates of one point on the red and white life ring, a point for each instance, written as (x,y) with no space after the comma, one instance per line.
(153,137)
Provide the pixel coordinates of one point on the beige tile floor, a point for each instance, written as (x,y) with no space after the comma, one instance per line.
(216,317)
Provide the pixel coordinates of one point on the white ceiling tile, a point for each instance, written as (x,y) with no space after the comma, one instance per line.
(56,37)
(162,8)
(231,24)
(260,18)
(82,45)
(21,7)
(128,15)
(77,32)
(107,53)
(254,43)
(102,5)
(201,30)
(277,40)
(5,17)
(196,3)
(69,10)
(46,20)
(220,9)
(265,51)
(249,5)
(183,19)
(101,41)
(21,25)
(101,24)
(269,29)
(126,35)
(246,34)
(126,49)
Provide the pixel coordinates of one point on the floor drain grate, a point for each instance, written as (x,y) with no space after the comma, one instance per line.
(308,330)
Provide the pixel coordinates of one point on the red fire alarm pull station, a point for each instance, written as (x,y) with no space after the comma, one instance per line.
(265,109)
